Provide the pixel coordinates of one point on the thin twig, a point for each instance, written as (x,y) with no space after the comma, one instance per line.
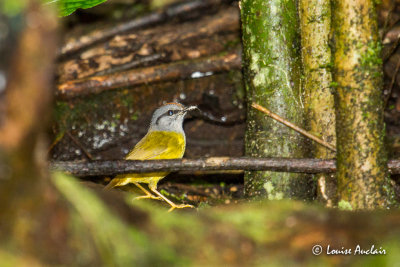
(87,154)
(388,18)
(392,82)
(56,141)
(108,168)
(294,127)
(392,49)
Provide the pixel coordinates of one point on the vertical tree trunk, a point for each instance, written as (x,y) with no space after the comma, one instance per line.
(272,77)
(363,181)
(315,20)
(29,206)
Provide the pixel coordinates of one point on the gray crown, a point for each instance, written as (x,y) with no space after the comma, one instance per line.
(169,117)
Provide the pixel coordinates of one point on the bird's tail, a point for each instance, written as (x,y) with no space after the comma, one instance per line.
(114,182)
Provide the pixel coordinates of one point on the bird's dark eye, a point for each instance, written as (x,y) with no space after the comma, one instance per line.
(170,112)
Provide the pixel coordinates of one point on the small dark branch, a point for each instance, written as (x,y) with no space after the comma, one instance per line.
(81,147)
(391,50)
(389,93)
(109,168)
(167,72)
(387,20)
(151,19)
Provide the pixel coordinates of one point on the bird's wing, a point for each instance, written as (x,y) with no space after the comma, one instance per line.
(159,145)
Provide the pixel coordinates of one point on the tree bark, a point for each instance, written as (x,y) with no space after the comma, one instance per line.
(315,20)
(363,181)
(272,69)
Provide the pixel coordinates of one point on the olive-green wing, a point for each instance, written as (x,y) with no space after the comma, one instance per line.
(159,145)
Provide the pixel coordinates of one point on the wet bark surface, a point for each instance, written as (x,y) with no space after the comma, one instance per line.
(362,175)
(315,22)
(271,49)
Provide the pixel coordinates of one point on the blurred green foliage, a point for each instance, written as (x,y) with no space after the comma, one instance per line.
(12,7)
(67,7)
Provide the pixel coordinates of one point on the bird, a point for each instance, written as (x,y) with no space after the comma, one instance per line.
(165,139)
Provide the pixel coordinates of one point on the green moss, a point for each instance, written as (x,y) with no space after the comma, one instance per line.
(172,196)
(319,18)
(344,205)
(135,115)
(272,193)
(371,58)
(333,85)
(328,66)
(377,2)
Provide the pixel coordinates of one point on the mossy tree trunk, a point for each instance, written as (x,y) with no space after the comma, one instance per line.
(363,181)
(315,24)
(272,77)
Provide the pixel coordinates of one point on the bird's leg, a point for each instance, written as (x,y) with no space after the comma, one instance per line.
(148,194)
(153,187)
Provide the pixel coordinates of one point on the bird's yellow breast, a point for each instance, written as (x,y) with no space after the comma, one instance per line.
(159,145)
(154,145)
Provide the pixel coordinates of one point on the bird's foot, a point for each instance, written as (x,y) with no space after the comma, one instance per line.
(148,196)
(175,206)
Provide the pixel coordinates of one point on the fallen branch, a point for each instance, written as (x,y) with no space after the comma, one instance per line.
(108,168)
(294,127)
(157,17)
(166,72)
(207,36)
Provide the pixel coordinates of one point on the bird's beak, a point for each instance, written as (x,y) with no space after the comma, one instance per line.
(190,108)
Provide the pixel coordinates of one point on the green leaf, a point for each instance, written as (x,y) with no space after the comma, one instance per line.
(67,7)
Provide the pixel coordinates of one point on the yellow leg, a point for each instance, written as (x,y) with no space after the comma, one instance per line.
(148,194)
(153,187)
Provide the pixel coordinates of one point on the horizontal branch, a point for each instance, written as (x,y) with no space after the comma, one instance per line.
(106,168)
(166,72)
